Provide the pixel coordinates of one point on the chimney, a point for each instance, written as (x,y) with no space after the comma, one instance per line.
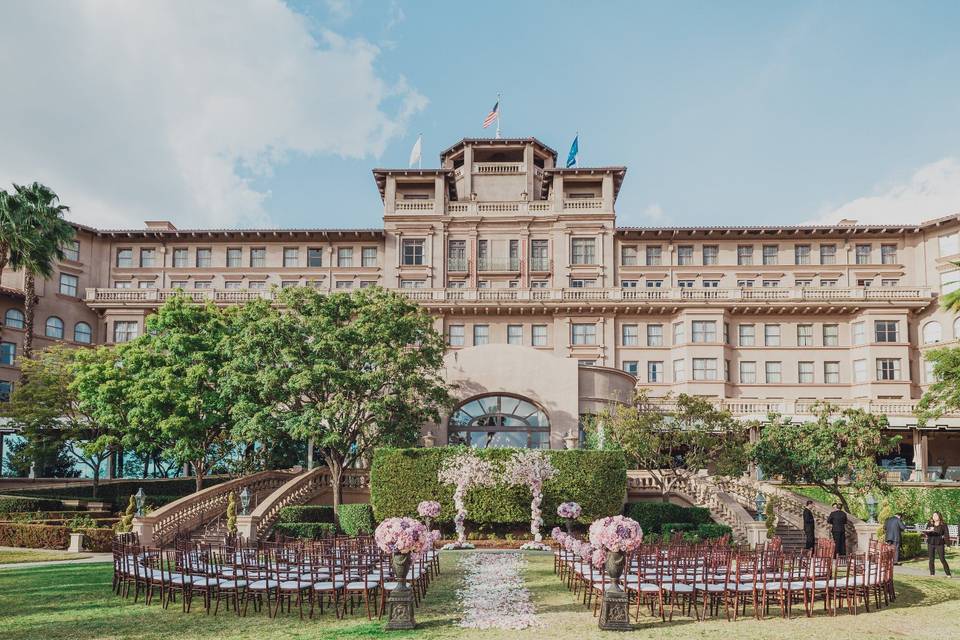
(160,225)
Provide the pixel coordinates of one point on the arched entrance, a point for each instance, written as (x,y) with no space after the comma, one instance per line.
(499,420)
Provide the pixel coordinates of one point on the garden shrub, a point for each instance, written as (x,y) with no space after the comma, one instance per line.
(356,519)
(911,544)
(160,491)
(80,521)
(307,513)
(34,536)
(669,527)
(98,540)
(13,504)
(306,530)
(652,515)
(711,531)
(401,478)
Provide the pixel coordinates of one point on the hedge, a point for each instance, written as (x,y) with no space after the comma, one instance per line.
(309,513)
(34,536)
(917,503)
(356,519)
(911,543)
(308,530)
(669,527)
(15,504)
(401,478)
(712,531)
(98,540)
(652,515)
(159,491)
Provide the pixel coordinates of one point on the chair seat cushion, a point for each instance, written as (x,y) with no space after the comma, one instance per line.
(232,584)
(290,585)
(328,585)
(679,587)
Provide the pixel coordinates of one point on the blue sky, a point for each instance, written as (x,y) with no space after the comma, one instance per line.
(724,113)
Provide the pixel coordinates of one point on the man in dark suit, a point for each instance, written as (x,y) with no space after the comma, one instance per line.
(893,528)
(809,527)
(838,528)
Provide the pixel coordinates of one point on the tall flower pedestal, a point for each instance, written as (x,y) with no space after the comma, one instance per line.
(400,601)
(615,611)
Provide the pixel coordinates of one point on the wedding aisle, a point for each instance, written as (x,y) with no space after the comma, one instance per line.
(493,595)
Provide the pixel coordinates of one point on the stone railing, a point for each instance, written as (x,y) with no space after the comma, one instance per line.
(414,205)
(296,491)
(582,204)
(195,510)
(498,168)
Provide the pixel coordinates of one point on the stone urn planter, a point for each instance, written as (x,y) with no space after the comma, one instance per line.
(76,543)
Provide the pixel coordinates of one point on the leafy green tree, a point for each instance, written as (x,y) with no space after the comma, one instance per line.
(824,451)
(45,455)
(352,371)
(943,395)
(673,439)
(951,301)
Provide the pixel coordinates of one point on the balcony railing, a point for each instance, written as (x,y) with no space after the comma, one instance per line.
(458,265)
(498,264)
(541,265)
(581,204)
(414,205)
(498,168)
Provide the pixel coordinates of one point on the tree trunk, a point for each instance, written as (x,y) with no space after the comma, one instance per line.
(336,475)
(96,478)
(29,292)
(198,471)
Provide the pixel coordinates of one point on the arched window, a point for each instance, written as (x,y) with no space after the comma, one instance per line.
(82,333)
(931,332)
(14,319)
(499,421)
(54,328)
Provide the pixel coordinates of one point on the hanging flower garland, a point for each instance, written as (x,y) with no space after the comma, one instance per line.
(531,468)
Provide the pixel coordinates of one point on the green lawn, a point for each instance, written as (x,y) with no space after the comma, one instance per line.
(75,601)
(28,555)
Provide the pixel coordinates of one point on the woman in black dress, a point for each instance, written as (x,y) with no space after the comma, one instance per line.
(937,539)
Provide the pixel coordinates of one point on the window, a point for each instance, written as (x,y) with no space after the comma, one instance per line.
(859,370)
(770,284)
(862,254)
(711,284)
(745,254)
(773,370)
(828,254)
(929,376)
(949,244)
(805,372)
(483,284)
(931,332)
(413,284)
(748,336)
(583,251)
(538,335)
(888,254)
(581,283)
(202,284)
(514,334)
(314,257)
(122,284)
(704,368)
(6,389)
(344,284)
(205,257)
(655,371)
(368,257)
(291,257)
(630,335)
(8,353)
(748,373)
(180,257)
(827,283)
(82,333)
(147,257)
(678,333)
(803,282)
(539,284)
(54,328)
(864,282)
(455,335)
(679,370)
(726,333)
(801,254)
(771,335)
(653,284)
(858,334)
(345,257)
(256,284)
(146,284)
(831,372)
(14,319)
(584,333)
(499,421)
(232,284)
(412,252)
(456,284)
(628,255)
(804,335)
(744,283)
(888,368)
(831,335)
(68,284)
(654,256)
(684,255)
(586,363)
(124,258)
(630,366)
(885,330)
(711,254)
(704,331)
(258,257)
(234,257)
(481,334)
(770,254)
(889,282)
(628,284)
(177,284)
(125,330)
(685,284)
(654,335)
(372,283)
(286,284)
(71,250)
(539,254)
(726,370)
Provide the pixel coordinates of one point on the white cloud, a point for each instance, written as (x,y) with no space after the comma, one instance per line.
(340,10)
(931,192)
(653,212)
(164,110)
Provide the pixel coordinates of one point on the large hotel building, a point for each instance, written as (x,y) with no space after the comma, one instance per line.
(550,309)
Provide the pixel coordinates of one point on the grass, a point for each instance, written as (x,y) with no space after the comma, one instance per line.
(26,555)
(75,602)
(920,562)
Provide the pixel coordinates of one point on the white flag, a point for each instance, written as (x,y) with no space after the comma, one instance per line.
(415,152)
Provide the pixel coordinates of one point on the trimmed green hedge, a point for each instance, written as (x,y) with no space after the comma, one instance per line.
(712,531)
(668,528)
(917,503)
(401,478)
(356,519)
(307,530)
(308,513)
(15,504)
(653,515)
(34,536)
(159,491)
(98,540)
(911,543)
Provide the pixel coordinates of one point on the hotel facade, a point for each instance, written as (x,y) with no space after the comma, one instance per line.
(551,310)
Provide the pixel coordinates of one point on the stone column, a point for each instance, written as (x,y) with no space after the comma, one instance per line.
(247,527)
(310,453)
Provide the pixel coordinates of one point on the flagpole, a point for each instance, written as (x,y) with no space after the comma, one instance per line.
(420,155)
(499,109)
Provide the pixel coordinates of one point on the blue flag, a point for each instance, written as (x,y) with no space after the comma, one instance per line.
(574,149)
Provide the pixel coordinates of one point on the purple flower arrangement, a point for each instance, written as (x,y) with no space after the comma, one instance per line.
(570,510)
(615,534)
(402,535)
(428,509)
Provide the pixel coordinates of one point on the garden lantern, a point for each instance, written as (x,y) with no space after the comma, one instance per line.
(244,500)
(871,508)
(141,498)
(761,502)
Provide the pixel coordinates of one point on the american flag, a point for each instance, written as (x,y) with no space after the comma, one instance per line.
(492,116)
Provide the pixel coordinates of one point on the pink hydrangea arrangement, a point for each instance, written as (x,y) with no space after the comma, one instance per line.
(556,533)
(435,536)
(402,535)
(569,510)
(428,509)
(598,558)
(616,533)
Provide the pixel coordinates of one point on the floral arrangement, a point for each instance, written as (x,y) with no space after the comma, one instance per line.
(570,510)
(531,467)
(616,534)
(428,509)
(464,471)
(402,535)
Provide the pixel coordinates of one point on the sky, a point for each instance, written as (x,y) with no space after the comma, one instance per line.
(259,113)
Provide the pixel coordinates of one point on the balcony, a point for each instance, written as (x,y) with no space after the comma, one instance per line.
(541,265)
(414,205)
(495,208)
(498,168)
(458,265)
(582,204)
(498,264)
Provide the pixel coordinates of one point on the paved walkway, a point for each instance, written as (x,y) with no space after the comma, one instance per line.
(83,558)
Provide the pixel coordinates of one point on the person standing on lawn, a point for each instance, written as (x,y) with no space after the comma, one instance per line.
(893,529)
(838,528)
(938,536)
(809,527)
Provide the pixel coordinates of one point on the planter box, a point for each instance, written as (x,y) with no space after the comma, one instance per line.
(76,543)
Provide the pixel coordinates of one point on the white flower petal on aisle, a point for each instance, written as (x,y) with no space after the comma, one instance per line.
(493,595)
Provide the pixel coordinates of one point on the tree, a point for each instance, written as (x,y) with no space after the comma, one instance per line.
(42,234)
(352,371)
(45,456)
(46,407)
(824,451)
(10,232)
(673,439)
(951,301)
(943,395)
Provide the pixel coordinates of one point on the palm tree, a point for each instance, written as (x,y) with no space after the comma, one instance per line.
(9,228)
(951,301)
(43,232)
